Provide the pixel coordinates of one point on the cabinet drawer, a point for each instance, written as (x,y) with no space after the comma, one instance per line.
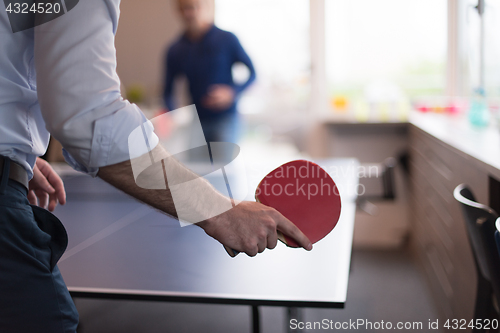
(433,206)
(438,226)
(440,159)
(443,218)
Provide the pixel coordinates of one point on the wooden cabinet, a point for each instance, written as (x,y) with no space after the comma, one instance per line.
(371,143)
(438,234)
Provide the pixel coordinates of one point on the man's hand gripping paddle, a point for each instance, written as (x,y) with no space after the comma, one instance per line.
(305,194)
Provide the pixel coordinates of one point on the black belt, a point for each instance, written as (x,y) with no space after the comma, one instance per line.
(16,173)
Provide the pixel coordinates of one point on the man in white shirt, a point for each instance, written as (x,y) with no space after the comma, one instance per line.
(60,78)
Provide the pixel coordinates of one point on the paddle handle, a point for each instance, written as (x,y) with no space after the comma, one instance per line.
(233,253)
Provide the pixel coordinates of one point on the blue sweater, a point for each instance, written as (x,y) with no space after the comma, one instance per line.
(206,62)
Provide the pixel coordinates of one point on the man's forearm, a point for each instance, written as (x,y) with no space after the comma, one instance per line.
(121,176)
(160,181)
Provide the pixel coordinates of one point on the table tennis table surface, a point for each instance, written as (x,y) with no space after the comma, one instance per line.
(120,248)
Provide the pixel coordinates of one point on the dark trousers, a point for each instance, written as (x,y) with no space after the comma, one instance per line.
(223,128)
(33,295)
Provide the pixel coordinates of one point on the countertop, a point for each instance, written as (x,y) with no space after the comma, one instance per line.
(481,144)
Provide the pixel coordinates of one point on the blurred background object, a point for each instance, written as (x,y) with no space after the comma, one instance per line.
(482,24)
(205,56)
(369,61)
(135,94)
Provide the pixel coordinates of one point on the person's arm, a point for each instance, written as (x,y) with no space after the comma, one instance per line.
(241,56)
(221,96)
(78,88)
(80,101)
(248,227)
(168,86)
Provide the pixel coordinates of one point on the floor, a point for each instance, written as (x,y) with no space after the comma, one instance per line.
(384,286)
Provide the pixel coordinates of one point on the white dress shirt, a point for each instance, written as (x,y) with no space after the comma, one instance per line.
(60,78)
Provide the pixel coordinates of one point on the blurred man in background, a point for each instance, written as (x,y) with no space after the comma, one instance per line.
(205,54)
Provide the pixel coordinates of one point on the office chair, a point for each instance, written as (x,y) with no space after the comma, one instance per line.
(378,183)
(480,221)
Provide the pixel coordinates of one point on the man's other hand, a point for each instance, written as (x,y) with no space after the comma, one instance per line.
(251,227)
(47,186)
(219,97)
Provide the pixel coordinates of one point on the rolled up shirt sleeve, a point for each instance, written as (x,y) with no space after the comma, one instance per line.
(79,89)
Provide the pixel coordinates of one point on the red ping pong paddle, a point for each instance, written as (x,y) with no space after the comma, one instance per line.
(305,194)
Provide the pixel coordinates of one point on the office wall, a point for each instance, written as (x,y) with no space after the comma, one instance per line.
(145,29)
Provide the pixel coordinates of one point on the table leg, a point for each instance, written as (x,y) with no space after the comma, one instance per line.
(293,313)
(255,319)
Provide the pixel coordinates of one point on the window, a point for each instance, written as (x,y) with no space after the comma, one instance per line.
(489,79)
(381,54)
(275,34)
